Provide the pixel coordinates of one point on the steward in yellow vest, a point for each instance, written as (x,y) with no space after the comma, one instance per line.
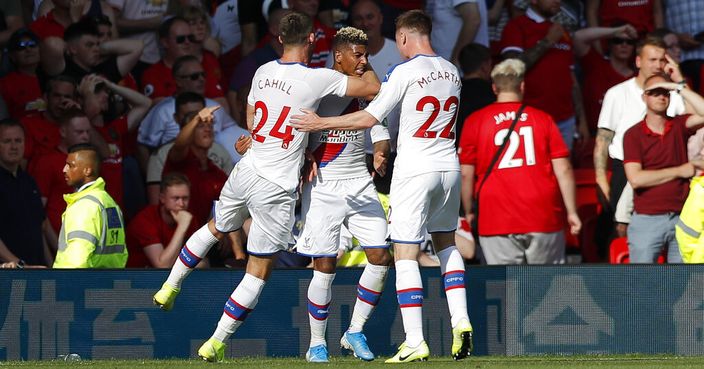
(92,230)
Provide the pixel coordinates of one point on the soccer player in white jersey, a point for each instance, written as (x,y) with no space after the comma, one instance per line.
(343,192)
(425,188)
(264,182)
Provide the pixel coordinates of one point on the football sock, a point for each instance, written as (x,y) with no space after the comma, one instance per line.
(191,254)
(452,269)
(243,299)
(409,291)
(319,296)
(371,283)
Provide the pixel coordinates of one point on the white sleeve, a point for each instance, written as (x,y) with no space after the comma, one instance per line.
(379,132)
(609,109)
(676,106)
(392,90)
(329,81)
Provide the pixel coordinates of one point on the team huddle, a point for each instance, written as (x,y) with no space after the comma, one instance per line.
(287,101)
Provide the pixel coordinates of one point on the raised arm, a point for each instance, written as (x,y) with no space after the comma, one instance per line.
(584,38)
(183,141)
(695,102)
(126,50)
(139,104)
(469,12)
(533,54)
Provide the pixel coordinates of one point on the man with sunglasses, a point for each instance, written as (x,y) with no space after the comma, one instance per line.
(177,40)
(656,165)
(20,88)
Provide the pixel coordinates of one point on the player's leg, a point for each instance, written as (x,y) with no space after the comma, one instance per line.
(442,223)
(272,214)
(322,211)
(242,300)
(369,225)
(408,215)
(228,215)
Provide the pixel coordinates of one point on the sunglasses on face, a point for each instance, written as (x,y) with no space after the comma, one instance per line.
(658,92)
(621,41)
(193,76)
(23,45)
(181,39)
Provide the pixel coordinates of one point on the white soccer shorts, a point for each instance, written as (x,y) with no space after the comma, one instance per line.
(271,208)
(426,202)
(327,205)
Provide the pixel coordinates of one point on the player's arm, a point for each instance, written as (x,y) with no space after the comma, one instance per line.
(309,121)
(565,180)
(250,117)
(644,178)
(382,150)
(366,86)
(467,193)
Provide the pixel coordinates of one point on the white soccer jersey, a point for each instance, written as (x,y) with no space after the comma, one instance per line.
(340,154)
(430,89)
(280,90)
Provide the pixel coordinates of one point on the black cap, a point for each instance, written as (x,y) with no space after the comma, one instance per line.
(18,36)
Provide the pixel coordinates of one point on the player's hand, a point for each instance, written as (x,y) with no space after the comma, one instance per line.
(310,169)
(309,121)
(182,217)
(243,144)
(575,223)
(380,163)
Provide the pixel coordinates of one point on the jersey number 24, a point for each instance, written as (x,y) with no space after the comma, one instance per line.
(286,135)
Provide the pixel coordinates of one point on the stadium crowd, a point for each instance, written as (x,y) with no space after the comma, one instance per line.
(608,136)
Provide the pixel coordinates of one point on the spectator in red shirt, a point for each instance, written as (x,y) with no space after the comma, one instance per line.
(645,16)
(551,84)
(155,236)
(42,129)
(189,155)
(177,40)
(526,226)
(20,88)
(601,72)
(656,165)
(85,54)
(96,91)
(74,129)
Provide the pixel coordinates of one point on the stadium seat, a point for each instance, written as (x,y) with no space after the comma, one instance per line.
(588,209)
(618,252)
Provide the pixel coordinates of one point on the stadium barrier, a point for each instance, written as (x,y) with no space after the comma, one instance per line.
(515,310)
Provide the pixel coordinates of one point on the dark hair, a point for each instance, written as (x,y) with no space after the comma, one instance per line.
(178,64)
(79,29)
(49,85)
(188,97)
(661,32)
(173,179)
(17,36)
(97,160)
(294,28)
(472,56)
(10,122)
(100,20)
(165,27)
(70,114)
(650,40)
(415,20)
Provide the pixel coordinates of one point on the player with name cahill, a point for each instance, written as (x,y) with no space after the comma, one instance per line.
(264,182)
(425,188)
(343,192)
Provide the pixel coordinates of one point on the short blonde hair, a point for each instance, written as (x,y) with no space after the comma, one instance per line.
(349,36)
(508,75)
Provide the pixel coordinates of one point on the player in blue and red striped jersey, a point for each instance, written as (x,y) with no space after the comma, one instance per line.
(343,192)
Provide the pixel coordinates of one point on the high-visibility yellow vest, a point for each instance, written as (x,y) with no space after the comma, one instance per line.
(92,230)
(689,227)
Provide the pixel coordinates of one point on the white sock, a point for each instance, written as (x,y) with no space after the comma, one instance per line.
(371,283)
(409,291)
(243,299)
(452,269)
(319,296)
(192,253)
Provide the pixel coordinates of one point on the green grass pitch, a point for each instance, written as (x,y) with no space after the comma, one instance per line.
(485,362)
